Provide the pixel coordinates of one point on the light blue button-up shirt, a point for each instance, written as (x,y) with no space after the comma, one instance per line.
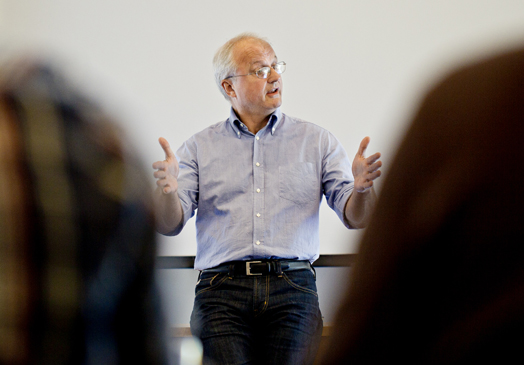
(258,196)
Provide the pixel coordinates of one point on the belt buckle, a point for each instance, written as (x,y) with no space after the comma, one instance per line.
(248,267)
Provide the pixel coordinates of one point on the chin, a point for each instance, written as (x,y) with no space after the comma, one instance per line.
(276,102)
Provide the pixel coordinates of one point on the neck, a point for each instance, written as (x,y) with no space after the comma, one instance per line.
(252,122)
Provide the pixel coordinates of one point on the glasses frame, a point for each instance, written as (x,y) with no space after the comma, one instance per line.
(256,73)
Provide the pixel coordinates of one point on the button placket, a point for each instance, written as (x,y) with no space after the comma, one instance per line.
(258,195)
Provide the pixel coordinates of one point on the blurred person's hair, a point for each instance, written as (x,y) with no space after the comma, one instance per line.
(439,277)
(77,240)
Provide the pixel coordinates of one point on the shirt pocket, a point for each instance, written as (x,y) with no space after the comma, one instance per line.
(298,182)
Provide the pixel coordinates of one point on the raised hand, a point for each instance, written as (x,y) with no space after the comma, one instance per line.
(167,170)
(365,170)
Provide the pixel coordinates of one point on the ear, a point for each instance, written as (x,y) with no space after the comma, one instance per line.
(228,88)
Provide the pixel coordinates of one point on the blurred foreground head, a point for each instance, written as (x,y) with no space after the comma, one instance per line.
(439,278)
(77,241)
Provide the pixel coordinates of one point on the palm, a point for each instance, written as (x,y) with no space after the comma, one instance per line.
(365,170)
(167,170)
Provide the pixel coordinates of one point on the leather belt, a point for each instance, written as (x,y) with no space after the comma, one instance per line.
(260,267)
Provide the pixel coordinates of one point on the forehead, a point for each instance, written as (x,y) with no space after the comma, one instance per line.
(250,52)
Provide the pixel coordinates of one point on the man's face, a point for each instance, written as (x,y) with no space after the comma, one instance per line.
(251,95)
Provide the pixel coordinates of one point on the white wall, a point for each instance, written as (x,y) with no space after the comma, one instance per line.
(356,68)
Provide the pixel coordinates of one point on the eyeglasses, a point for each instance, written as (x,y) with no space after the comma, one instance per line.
(264,72)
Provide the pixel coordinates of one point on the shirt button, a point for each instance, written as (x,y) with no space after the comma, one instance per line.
(273,130)
(258,190)
(257,138)
(257,242)
(258,164)
(258,214)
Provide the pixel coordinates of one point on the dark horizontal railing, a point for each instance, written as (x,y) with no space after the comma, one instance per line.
(188,262)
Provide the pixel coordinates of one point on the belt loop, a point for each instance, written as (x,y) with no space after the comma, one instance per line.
(278,268)
(199,275)
(231,272)
(313,271)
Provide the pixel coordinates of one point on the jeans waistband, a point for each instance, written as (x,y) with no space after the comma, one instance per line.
(260,267)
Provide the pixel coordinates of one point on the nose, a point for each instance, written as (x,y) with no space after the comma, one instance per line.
(273,76)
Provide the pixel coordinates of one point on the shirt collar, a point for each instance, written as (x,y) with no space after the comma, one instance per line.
(274,120)
(235,123)
(238,126)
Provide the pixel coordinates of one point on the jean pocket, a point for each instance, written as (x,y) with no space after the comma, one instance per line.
(298,182)
(210,282)
(302,280)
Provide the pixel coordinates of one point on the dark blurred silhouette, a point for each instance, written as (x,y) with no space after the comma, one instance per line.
(439,278)
(77,241)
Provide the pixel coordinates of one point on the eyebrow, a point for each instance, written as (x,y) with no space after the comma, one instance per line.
(275,60)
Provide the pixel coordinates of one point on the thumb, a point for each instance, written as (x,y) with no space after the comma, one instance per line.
(363,146)
(167,149)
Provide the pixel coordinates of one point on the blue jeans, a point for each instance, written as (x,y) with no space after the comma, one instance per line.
(257,319)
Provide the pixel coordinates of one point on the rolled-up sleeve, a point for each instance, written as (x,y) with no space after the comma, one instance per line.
(337,178)
(188,178)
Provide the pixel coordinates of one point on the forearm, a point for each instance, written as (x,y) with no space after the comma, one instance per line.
(359,208)
(168,212)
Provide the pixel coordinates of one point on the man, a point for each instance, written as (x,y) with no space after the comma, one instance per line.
(439,278)
(257,180)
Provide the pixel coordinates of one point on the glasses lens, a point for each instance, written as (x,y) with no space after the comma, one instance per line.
(280,67)
(263,73)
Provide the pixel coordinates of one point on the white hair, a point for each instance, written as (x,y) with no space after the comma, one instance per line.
(223,63)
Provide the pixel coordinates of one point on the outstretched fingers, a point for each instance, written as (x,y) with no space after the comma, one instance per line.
(373,167)
(159,165)
(167,184)
(373,158)
(373,175)
(365,169)
(160,174)
(366,185)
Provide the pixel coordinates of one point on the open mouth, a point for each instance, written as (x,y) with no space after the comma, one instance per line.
(273,91)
